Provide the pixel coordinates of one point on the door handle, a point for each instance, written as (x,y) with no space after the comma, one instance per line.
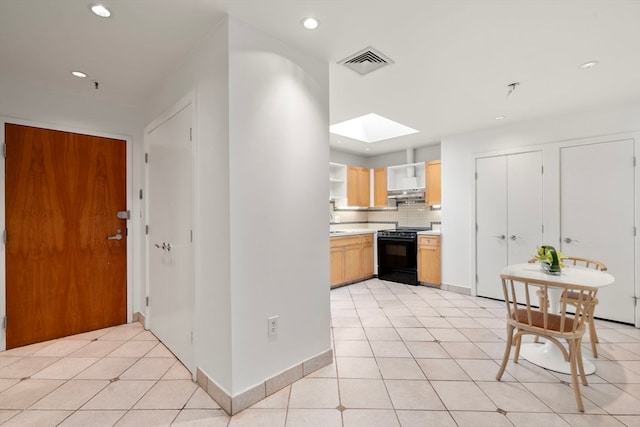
(513,237)
(164,247)
(117,236)
(569,240)
(500,236)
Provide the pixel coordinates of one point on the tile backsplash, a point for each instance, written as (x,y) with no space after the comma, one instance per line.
(412,214)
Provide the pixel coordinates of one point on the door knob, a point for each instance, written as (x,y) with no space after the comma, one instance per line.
(513,237)
(500,236)
(568,240)
(117,236)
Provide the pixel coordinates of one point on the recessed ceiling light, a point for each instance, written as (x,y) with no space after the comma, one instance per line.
(100,10)
(79,74)
(589,64)
(500,118)
(371,128)
(310,23)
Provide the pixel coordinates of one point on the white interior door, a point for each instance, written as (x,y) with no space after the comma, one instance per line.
(524,205)
(491,224)
(508,215)
(597,217)
(170,218)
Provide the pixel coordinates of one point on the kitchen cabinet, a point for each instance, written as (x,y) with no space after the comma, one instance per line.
(380,187)
(367,255)
(429,259)
(433,193)
(351,258)
(338,183)
(358,186)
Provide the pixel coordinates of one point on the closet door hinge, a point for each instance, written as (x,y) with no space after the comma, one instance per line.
(190,134)
(146,157)
(147,301)
(146,229)
(4,150)
(4,322)
(4,236)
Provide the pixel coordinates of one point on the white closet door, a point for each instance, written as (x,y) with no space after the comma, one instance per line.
(170,253)
(524,204)
(491,224)
(597,217)
(508,215)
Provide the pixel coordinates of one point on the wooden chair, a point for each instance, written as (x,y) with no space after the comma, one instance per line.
(524,318)
(588,263)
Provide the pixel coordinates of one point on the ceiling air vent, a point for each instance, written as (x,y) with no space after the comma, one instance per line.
(366,61)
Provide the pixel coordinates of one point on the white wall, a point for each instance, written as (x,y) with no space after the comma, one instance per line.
(261,225)
(32,104)
(279,154)
(459,152)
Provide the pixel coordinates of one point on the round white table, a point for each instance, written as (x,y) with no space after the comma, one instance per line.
(548,355)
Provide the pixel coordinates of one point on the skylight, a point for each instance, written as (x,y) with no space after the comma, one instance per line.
(371,128)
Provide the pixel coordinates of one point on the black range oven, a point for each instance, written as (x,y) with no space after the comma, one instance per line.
(398,254)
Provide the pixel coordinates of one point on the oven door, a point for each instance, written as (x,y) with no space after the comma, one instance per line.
(397,260)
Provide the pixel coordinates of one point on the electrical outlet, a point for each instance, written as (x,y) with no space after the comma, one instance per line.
(272,323)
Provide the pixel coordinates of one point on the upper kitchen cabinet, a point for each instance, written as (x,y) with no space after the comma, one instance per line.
(380,187)
(433,194)
(406,177)
(358,186)
(338,183)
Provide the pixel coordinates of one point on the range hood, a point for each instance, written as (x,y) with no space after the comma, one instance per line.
(413,194)
(408,187)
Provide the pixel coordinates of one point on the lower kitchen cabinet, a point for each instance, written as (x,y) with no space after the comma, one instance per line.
(429,259)
(351,258)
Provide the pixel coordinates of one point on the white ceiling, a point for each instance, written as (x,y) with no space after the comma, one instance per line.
(453,59)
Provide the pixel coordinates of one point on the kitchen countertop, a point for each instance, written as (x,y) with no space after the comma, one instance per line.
(351,231)
(429,233)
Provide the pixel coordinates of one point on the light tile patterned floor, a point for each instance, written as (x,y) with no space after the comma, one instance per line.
(404,356)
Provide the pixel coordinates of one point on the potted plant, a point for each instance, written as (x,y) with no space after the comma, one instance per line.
(550,259)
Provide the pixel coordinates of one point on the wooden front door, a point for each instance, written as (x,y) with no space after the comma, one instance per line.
(66,248)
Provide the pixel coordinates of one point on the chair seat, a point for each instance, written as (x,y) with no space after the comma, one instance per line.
(537,319)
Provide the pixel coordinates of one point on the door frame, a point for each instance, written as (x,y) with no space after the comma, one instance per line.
(188,99)
(132,225)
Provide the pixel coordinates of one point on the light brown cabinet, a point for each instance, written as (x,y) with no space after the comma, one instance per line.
(380,187)
(432,177)
(358,186)
(429,259)
(351,259)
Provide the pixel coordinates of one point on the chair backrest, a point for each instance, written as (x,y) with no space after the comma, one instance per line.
(523,312)
(585,262)
(580,261)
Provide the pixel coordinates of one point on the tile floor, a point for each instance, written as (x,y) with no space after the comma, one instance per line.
(404,356)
